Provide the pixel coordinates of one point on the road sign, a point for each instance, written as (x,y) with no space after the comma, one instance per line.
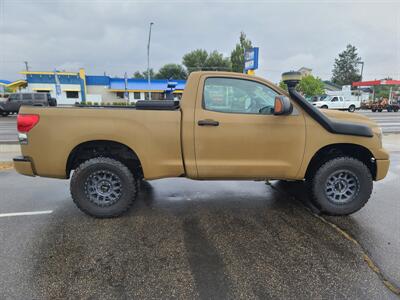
(251,59)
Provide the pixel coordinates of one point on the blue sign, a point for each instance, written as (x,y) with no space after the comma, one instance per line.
(251,59)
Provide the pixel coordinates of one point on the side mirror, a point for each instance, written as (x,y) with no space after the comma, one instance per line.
(282,106)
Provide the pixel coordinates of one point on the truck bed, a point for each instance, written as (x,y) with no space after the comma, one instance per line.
(154,135)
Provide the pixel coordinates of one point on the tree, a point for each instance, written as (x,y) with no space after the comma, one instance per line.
(345,70)
(237,55)
(195,60)
(143,75)
(283,85)
(310,86)
(199,59)
(217,62)
(173,71)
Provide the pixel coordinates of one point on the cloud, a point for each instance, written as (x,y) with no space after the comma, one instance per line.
(111,36)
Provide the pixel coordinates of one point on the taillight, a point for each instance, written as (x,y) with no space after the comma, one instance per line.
(26,122)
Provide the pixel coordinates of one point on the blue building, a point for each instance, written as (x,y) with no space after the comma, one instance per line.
(71,87)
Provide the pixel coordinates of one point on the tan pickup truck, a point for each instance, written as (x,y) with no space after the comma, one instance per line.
(227,126)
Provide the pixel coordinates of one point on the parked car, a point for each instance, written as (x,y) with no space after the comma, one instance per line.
(227,126)
(338,102)
(13,103)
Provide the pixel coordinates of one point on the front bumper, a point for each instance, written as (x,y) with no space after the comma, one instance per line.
(23,166)
(382,168)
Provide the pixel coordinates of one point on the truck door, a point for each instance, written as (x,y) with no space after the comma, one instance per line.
(233,139)
(335,103)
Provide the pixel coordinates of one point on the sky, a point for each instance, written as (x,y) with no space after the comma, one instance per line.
(111,36)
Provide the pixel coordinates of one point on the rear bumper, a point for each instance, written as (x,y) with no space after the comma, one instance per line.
(23,166)
(382,168)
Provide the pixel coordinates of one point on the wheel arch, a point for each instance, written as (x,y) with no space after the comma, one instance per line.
(107,148)
(331,151)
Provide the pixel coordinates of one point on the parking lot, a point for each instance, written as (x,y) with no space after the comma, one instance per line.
(192,239)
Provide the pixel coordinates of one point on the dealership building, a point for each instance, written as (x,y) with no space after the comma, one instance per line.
(71,87)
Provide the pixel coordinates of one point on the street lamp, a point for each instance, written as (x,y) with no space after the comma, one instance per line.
(148,60)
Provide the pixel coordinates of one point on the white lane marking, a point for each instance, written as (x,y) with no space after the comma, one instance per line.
(27,213)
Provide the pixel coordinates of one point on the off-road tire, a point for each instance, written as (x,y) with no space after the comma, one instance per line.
(352,108)
(79,187)
(319,183)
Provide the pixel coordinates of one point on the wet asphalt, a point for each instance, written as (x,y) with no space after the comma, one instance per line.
(191,239)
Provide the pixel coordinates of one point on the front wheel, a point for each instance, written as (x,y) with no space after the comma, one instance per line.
(4,114)
(352,108)
(324,107)
(103,187)
(341,186)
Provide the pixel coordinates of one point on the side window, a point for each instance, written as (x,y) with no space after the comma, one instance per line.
(238,96)
(13,97)
(26,97)
(40,96)
(334,99)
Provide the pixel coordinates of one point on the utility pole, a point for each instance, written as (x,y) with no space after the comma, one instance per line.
(26,66)
(148,60)
(362,68)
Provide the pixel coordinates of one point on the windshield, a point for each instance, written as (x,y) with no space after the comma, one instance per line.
(327,98)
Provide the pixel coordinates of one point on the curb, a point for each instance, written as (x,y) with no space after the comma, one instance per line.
(10,147)
(7,142)
(6,165)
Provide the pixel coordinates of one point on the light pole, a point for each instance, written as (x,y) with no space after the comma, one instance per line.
(362,68)
(148,60)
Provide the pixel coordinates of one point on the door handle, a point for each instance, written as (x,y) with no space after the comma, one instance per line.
(208,122)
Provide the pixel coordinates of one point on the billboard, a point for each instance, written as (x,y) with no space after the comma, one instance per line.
(251,59)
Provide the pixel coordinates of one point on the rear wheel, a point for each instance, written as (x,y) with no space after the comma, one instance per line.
(103,187)
(379,109)
(352,108)
(396,109)
(341,186)
(373,109)
(4,113)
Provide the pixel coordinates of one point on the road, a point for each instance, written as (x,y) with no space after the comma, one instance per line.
(390,123)
(197,239)
(8,129)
